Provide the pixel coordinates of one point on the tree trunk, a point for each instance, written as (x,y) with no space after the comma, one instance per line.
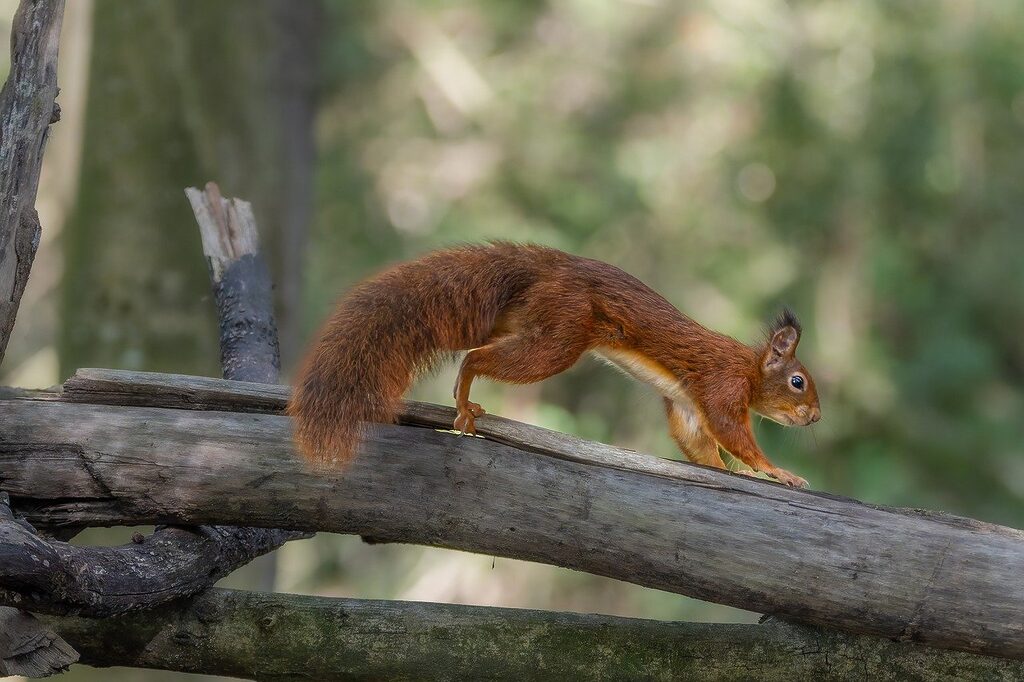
(182,92)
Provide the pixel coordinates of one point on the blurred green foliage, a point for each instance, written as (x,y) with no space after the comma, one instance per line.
(858,161)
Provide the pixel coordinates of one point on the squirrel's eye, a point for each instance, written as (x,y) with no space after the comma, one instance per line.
(797,381)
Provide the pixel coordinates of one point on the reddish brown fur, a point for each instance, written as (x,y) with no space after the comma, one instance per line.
(526,313)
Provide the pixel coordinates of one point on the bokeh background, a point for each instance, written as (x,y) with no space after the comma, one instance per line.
(858,161)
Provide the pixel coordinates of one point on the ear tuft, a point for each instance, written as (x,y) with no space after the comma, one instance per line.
(787,318)
(783,335)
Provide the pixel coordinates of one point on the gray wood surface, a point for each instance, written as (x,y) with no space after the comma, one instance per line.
(29,648)
(49,576)
(242,288)
(152,389)
(904,574)
(55,577)
(291,637)
(242,292)
(27,109)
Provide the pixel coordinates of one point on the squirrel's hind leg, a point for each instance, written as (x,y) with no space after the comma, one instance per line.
(513,359)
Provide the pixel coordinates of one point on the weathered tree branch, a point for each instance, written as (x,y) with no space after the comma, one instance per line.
(242,291)
(249,350)
(29,648)
(290,637)
(173,562)
(55,577)
(27,109)
(904,574)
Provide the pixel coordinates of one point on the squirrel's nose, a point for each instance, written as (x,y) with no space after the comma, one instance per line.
(815,414)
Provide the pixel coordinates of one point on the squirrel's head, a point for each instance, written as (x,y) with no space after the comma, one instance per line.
(786,393)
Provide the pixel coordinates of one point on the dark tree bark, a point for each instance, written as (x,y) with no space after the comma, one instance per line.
(27,108)
(29,648)
(55,577)
(242,288)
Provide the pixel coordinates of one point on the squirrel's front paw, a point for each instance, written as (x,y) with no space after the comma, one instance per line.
(465,422)
(783,476)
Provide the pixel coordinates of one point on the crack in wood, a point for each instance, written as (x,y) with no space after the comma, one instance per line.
(912,629)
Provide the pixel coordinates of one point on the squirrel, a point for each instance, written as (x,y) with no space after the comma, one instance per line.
(525,313)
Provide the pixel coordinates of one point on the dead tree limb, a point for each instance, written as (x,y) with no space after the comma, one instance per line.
(903,574)
(242,291)
(173,562)
(249,350)
(29,648)
(27,109)
(54,577)
(291,637)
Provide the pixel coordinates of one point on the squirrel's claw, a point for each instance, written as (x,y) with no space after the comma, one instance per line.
(465,422)
(783,476)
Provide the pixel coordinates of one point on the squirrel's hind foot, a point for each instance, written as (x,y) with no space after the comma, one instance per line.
(465,422)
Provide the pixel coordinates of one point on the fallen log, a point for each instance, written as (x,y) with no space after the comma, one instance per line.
(903,574)
(291,637)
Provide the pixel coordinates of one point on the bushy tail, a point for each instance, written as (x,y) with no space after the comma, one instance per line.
(387,330)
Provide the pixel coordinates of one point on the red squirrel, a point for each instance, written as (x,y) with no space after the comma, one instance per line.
(525,313)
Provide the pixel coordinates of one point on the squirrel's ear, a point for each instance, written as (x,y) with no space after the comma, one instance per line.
(784,341)
(784,336)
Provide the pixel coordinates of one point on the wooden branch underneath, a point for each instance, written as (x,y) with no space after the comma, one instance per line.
(291,637)
(28,648)
(903,574)
(55,577)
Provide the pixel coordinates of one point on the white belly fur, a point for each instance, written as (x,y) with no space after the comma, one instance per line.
(646,370)
(642,368)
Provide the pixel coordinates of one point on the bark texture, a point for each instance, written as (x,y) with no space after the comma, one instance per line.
(242,292)
(290,637)
(27,108)
(29,648)
(903,574)
(49,576)
(242,288)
